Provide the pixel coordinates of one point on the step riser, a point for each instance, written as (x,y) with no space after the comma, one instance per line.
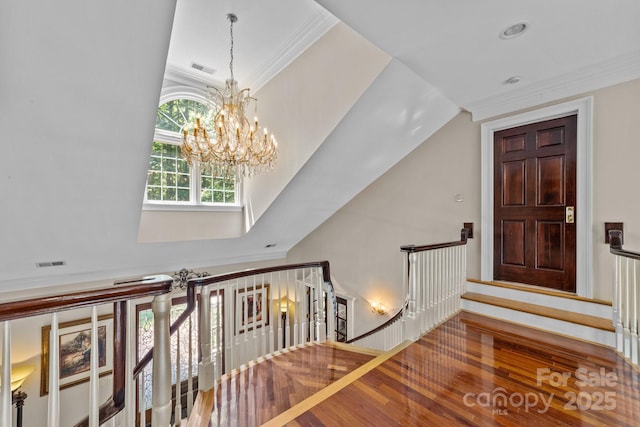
(582,332)
(576,306)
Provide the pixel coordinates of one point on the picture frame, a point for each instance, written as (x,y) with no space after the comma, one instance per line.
(74,344)
(248,299)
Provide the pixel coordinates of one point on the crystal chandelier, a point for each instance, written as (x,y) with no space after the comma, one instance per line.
(239,146)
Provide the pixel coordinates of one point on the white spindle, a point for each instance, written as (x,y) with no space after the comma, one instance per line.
(190,366)
(617,303)
(93,370)
(54,375)
(142,400)
(129,415)
(161,396)
(5,392)
(636,341)
(627,309)
(178,406)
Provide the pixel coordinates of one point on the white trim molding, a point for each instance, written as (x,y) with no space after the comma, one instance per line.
(583,107)
(603,74)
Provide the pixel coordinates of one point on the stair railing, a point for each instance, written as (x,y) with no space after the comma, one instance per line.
(434,278)
(626,298)
(252,314)
(121,295)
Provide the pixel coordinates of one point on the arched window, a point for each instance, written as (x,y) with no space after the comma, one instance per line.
(170,180)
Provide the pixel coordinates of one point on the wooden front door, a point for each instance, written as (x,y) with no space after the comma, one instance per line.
(535,192)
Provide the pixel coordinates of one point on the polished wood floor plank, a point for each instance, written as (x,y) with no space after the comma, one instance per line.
(482,372)
(261,391)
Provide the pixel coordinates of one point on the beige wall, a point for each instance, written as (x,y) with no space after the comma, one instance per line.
(615,180)
(415,202)
(305,102)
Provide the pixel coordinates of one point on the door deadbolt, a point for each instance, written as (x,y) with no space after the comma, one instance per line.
(569,214)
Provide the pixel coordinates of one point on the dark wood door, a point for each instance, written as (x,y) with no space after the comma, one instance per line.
(535,189)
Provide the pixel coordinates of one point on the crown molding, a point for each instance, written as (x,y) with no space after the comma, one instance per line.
(606,73)
(306,34)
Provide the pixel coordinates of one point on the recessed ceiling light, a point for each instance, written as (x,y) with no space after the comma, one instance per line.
(512,80)
(514,30)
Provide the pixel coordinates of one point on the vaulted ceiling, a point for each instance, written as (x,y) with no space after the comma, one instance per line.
(80,83)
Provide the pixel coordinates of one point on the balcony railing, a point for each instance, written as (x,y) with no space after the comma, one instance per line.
(249,314)
(626,299)
(434,279)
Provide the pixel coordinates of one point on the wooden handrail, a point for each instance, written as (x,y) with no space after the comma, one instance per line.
(464,236)
(384,325)
(615,246)
(326,274)
(131,289)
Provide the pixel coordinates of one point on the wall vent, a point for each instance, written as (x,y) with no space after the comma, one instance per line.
(203,68)
(50,264)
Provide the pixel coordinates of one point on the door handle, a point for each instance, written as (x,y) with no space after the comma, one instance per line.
(569,214)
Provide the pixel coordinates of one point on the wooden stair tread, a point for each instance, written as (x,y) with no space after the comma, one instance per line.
(539,290)
(517,333)
(554,313)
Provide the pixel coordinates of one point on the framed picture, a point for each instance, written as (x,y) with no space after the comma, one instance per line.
(74,355)
(251,308)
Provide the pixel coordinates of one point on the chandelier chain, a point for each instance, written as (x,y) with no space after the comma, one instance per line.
(233,18)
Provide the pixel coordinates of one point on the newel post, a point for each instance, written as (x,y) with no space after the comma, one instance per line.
(161,397)
(206,371)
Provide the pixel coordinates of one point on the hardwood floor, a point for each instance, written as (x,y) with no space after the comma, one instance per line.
(460,374)
(263,390)
(470,371)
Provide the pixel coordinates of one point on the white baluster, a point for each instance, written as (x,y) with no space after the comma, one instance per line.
(617,304)
(627,310)
(142,400)
(177,411)
(93,371)
(633,306)
(129,415)
(54,375)
(190,368)
(5,392)
(161,395)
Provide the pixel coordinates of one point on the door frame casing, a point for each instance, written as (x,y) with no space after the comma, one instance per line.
(583,107)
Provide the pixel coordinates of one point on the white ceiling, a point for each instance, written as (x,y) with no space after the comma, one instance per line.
(80,83)
(267,36)
(453,45)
